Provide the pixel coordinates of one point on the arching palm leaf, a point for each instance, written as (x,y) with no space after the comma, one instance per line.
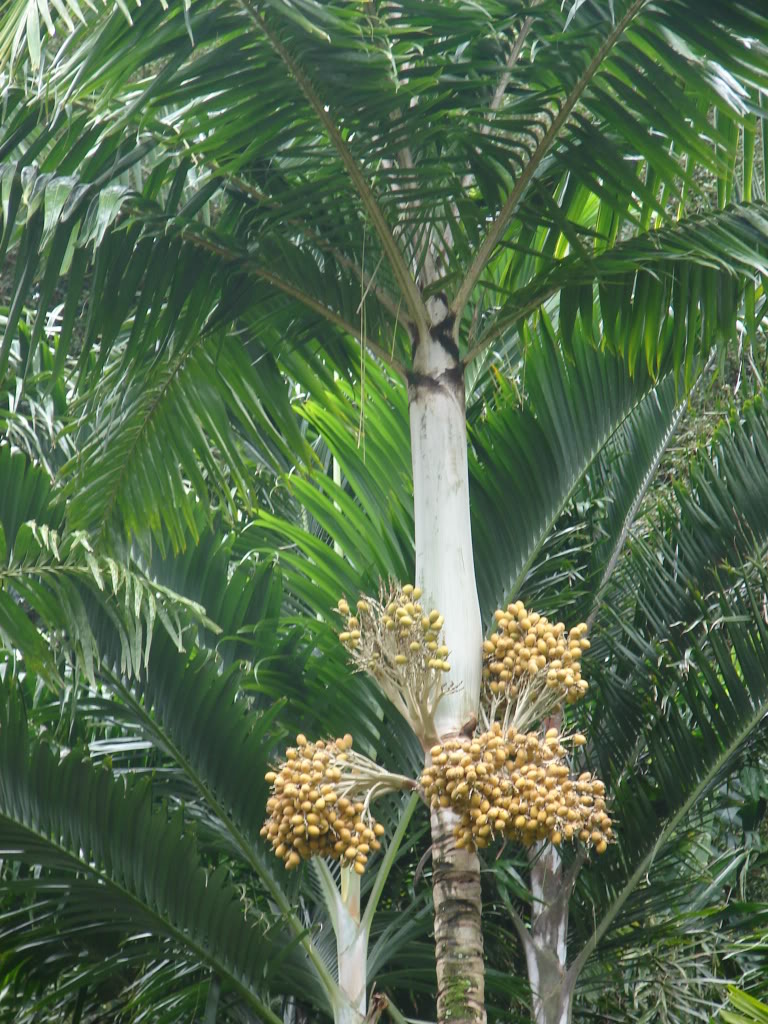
(139,866)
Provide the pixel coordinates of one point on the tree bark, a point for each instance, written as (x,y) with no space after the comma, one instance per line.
(546,950)
(351,950)
(445,572)
(458,926)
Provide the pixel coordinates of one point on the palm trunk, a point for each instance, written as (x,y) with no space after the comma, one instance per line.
(351,951)
(349,999)
(445,571)
(546,946)
(458,926)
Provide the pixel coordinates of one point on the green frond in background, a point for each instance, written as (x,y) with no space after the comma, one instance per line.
(746,1010)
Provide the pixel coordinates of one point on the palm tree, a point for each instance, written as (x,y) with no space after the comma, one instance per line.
(186,712)
(244,200)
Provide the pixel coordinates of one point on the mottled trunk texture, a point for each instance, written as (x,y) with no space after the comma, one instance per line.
(458,926)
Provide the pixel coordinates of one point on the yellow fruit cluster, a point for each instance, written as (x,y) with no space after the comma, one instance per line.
(309,817)
(516,786)
(415,632)
(526,644)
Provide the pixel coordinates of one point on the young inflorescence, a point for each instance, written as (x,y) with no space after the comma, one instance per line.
(398,643)
(515,785)
(320,803)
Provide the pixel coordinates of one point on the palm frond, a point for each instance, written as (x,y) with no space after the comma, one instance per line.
(564,120)
(140,867)
(54,588)
(676,709)
(628,468)
(693,742)
(539,453)
(655,599)
(746,1009)
(123,476)
(665,296)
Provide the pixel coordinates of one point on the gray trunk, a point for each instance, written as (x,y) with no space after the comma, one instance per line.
(349,999)
(546,948)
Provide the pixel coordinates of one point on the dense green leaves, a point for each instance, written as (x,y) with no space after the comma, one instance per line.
(579,154)
(206,210)
(665,297)
(683,689)
(723,696)
(718,522)
(57,594)
(539,453)
(25,495)
(138,867)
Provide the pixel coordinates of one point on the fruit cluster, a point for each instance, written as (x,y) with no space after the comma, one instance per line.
(309,815)
(398,642)
(527,644)
(516,786)
(414,632)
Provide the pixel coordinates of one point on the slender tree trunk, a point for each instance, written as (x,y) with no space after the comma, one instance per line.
(546,948)
(351,938)
(351,951)
(458,926)
(445,571)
